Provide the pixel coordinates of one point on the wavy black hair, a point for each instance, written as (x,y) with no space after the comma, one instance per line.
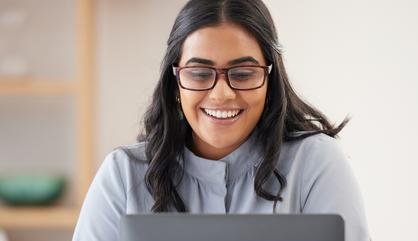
(166,132)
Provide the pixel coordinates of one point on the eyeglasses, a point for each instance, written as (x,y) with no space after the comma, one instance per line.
(248,77)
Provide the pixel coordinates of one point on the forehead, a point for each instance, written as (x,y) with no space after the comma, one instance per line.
(221,44)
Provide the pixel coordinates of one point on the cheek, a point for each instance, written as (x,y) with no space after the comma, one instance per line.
(189,103)
(256,102)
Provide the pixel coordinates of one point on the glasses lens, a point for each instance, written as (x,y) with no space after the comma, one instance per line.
(246,77)
(197,78)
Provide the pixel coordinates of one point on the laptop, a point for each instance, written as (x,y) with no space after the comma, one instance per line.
(231,227)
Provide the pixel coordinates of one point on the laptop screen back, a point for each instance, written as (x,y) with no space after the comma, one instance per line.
(233,227)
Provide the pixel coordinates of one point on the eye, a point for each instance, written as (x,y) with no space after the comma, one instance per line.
(201,73)
(242,73)
(198,73)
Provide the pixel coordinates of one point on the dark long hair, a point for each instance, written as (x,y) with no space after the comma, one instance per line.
(166,132)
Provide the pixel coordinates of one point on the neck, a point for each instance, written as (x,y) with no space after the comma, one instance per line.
(202,149)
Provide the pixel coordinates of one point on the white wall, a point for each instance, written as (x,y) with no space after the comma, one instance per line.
(345,57)
(360,58)
(131,40)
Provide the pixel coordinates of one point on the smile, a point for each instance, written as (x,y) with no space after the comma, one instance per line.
(222,114)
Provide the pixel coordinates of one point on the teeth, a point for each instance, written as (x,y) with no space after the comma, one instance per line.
(222,114)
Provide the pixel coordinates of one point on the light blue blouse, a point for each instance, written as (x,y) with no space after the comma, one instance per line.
(319,180)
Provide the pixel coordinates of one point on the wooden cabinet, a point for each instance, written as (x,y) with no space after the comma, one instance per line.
(81,93)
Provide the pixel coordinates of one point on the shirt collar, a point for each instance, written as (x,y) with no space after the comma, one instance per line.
(237,163)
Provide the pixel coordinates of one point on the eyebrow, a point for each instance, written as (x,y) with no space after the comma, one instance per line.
(231,62)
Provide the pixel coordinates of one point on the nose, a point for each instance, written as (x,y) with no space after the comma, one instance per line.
(221,92)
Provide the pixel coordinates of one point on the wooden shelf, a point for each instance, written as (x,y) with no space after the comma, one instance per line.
(36,87)
(38,217)
(82,88)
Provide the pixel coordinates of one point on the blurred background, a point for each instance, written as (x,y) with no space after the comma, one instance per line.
(77,75)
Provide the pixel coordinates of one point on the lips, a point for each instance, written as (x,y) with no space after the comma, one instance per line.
(222,114)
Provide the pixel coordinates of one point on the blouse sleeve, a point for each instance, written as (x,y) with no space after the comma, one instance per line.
(104,204)
(329,186)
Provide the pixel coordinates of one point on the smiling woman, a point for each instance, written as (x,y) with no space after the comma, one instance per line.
(221,117)
(225,133)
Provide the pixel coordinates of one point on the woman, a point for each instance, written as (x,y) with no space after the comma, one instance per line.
(225,133)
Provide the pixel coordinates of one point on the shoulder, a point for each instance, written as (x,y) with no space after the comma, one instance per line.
(328,184)
(314,147)
(320,140)
(311,155)
(134,152)
(128,163)
(110,194)
(320,164)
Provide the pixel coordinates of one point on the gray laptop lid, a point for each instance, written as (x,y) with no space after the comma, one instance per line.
(232,227)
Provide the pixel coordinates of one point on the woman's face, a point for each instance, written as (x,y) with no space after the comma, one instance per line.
(221,46)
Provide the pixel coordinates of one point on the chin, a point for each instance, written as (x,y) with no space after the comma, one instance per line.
(222,141)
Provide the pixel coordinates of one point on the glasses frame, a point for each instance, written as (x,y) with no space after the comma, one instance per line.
(218,72)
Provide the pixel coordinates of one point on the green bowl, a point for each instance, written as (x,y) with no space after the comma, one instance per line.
(31,189)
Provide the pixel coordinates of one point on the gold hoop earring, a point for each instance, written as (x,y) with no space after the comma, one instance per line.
(181,115)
